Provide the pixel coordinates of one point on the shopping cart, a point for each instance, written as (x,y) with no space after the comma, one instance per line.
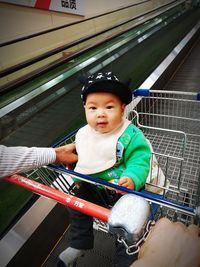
(170,121)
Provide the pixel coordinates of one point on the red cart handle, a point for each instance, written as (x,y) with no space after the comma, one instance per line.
(70,201)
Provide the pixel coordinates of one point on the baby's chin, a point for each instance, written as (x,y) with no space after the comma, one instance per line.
(103,128)
(102,131)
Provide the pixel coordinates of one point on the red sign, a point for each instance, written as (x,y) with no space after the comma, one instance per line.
(67,6)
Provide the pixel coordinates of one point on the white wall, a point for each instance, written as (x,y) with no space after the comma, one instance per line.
(18,21)
(98,7)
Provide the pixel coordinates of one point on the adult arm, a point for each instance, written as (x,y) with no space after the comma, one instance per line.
(20,159)
(170,244)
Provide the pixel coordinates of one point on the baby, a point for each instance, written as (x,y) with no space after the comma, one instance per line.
(111,148)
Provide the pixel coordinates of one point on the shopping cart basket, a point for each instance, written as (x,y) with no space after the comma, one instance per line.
(170,121)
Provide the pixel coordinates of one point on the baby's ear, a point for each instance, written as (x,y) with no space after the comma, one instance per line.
(123,107)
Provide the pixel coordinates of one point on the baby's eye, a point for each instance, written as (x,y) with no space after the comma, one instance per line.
(110,107)
(92,108)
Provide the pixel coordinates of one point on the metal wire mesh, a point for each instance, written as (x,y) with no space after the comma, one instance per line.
(170,120)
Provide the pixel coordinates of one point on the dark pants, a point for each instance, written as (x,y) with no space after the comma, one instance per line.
(82,225)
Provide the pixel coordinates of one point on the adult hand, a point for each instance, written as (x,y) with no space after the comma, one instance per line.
(170,244)
(66,154)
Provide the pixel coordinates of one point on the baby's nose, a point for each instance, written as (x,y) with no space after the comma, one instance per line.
(101,112)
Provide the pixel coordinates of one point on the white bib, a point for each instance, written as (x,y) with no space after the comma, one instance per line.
(97,151)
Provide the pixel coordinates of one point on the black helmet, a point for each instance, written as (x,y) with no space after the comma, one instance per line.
(106,82)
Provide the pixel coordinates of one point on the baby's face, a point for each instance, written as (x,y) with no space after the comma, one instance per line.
(104,111)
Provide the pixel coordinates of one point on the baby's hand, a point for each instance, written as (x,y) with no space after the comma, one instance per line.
(125,181)
(77,185)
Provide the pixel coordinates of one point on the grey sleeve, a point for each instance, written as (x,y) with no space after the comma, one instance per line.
(20,159)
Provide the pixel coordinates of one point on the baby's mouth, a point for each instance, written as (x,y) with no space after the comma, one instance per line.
(102,124)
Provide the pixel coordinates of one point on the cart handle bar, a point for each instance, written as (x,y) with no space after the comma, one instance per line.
(70,201)
(149,197)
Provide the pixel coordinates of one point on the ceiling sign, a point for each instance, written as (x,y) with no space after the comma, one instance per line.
(66,6)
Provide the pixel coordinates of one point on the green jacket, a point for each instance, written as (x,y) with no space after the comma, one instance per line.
(133,158)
